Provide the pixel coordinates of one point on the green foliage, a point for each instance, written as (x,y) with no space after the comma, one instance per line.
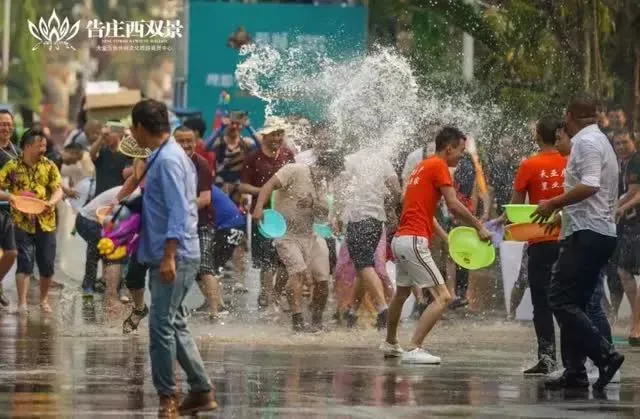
(26,73)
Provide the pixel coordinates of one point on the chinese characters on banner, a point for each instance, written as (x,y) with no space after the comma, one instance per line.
(135,29)
(141,35)
(552,179)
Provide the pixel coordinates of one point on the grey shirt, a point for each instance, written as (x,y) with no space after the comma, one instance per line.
(592,163)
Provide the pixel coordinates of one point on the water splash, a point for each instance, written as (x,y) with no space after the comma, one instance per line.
(370,101)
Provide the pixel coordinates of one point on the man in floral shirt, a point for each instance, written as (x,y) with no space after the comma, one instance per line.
(34,175)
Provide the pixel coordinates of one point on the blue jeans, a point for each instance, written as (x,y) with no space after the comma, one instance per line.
(169,337)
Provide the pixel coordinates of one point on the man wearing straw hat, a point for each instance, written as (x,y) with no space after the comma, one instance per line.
(258,169)
(35,233)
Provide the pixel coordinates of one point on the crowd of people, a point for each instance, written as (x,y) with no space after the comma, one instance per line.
(201,201)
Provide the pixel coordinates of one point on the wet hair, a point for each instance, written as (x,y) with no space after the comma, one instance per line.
(449,136)
(583,106)
(30,136)
(546,129)
(4,111)
(623,132)
(183,128)
(332,160)
(152,115)
(196,124)
(74,147)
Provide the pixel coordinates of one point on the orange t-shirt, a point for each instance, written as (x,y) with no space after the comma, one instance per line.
(422,196)
(541,177)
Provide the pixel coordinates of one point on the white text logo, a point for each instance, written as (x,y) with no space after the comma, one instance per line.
(53,33)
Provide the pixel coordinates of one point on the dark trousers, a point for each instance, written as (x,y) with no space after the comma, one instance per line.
(90,231)
(576,276)
(542,257)
(595,311)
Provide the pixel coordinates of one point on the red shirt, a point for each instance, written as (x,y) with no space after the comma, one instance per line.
(541,177)
(259,168)
(209,156)
(204,180)
(422,196)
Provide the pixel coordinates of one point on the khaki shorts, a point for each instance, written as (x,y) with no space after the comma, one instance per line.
(304,254)
(414,264)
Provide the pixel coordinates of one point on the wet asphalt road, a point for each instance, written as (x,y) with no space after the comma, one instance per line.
(76,364)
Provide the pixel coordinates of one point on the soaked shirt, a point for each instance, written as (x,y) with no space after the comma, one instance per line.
(366,175)
(42,179)
(592,162)
(300,200)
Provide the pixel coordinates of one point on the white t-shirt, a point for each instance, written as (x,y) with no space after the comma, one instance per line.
(366,174)
(106,198)
(592,163)
(307,157)
(86,188)
(414,159)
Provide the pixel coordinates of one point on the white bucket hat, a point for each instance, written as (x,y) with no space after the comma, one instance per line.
(272,124)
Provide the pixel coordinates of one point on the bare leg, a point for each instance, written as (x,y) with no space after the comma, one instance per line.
(266,286)
(210,288)
(630,288)
(295,296)
(635,325)
(373,285)
(22,287)
(45,284)
(517,293)
(395,311)
(417,294)
(441,299)
(6,261)
(281,282)
(238,264)
(451,277)
(111,274)
(138,299)
(319,301)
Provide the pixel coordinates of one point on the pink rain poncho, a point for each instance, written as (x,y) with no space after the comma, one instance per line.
(345,274)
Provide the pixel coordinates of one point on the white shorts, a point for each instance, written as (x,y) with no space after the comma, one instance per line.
(414,264)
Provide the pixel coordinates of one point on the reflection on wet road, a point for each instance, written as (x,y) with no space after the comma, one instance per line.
(51,368)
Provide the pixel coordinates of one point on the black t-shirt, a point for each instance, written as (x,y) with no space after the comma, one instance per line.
(109,166)
(631,176)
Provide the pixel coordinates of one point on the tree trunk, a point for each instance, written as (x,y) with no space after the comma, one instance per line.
(596,52)
(586,30)
(636,94)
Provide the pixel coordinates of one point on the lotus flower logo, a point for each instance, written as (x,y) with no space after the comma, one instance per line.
(53,33)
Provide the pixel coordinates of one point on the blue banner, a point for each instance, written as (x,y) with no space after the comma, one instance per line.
(214,29)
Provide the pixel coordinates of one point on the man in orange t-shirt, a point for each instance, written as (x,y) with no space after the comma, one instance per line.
(430,181)
(541,177)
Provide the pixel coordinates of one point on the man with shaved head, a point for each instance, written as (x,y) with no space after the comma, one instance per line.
(587,241)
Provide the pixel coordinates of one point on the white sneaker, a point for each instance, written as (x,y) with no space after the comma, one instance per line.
(593,373)
(391,351)
(419,356)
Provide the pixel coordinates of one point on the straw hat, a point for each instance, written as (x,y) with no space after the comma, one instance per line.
(129,147)
(272,124)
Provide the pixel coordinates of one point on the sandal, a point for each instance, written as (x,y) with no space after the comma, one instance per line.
(129,325)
